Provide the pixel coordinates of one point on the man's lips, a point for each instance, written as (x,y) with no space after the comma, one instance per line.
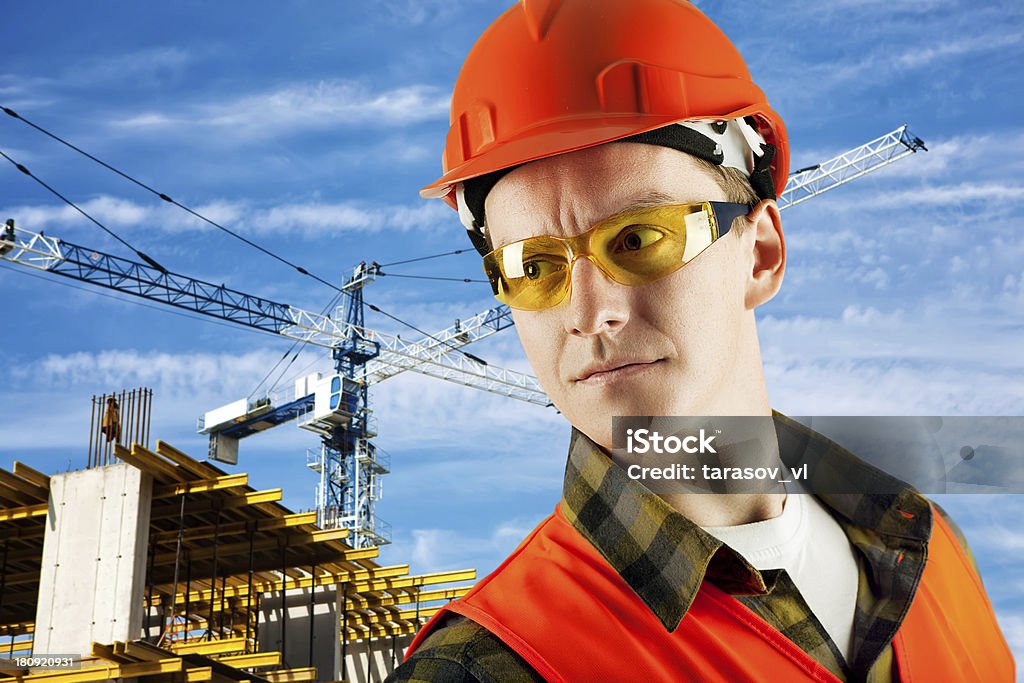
(600,373)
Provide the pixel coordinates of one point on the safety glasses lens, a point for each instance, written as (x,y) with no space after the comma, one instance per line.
(530,274)
(632,248)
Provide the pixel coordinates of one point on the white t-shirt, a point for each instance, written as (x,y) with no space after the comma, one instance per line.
(810,545)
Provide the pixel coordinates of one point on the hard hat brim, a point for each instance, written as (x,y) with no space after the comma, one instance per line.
(566,135)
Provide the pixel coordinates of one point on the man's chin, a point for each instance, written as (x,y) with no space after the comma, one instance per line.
(597,416)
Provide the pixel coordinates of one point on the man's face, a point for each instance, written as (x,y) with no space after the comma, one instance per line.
(677,346)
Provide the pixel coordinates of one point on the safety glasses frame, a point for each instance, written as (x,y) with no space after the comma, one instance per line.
(508,263)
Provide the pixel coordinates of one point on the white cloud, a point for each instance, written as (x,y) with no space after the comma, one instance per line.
(312,219)
(920,57)
(1013,288)
(22,93)
(309,219)
(936,195)
(855,53)
(1013,630)
(418,12)
(318,106)
(151,64)
(895,387)
(185,385)
(176,375)
(870,317)
(970,154)
(942,356)
(434,550)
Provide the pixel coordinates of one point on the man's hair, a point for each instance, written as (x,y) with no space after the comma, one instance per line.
(736,185)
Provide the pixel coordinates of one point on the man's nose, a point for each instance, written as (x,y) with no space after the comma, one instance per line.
(597,304)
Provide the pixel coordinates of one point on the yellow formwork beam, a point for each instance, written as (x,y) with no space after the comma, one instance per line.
(253,660)
(382,631)
(231,502)
(35,476)
(142,459)
(108,673)
(23,512)
(379,618)
(210,530)
(19,578)
(282,675)
(210,647)
(201,673)
(197,468)
(34,532)
(371,585)
(171,469)
(296,540)
(104,651)
(23,486)
(368,602)
(138,651)
(328,579)
(228,481)
(17,629)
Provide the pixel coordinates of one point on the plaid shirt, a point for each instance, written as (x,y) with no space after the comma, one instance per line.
(664,557)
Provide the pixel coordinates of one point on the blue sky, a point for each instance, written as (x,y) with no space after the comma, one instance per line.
(310,127)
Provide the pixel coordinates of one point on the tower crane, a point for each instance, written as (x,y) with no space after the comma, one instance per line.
(337,407)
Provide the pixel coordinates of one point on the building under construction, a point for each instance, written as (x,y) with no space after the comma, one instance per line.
(150,564)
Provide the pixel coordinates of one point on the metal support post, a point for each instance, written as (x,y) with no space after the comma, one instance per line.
(188,593)
(149,588)
(177,562)
(312,607)
(3,580)
(220,617)
(284,605)
(213,581)
(344,630)
(248,599)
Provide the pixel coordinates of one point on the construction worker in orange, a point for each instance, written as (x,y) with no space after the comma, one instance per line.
(111,425)
(617,169)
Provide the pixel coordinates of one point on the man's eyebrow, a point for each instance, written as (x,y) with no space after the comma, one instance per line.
(647,200)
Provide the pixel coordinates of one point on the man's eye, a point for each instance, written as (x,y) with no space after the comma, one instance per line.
(534,270)
(637,237)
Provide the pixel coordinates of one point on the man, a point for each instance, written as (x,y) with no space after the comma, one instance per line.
(617,168)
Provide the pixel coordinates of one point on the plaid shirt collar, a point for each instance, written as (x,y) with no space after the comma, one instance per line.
(664,557)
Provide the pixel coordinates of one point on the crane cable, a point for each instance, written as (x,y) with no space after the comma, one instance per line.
(74,206)
(168,199)
(290,349)
(430,277)
(475,359)
(422,258)
(136,302)
(150,261)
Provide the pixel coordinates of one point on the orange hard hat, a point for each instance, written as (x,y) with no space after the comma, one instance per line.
(555,76)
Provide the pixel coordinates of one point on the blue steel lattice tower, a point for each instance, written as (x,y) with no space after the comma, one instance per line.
(350,465)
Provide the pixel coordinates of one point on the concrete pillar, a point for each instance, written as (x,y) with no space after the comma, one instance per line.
(326,630)
(92,582)
(365,662)
(370,661)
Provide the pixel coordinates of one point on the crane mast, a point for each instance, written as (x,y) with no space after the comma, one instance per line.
(337,408)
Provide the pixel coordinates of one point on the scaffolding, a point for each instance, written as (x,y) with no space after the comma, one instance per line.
(236,585)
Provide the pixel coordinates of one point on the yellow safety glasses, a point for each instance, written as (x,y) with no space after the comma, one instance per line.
(631,248)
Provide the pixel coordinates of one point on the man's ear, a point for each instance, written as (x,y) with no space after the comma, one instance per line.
(763,236)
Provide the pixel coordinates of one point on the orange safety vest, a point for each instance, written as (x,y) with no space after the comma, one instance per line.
(558,603)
